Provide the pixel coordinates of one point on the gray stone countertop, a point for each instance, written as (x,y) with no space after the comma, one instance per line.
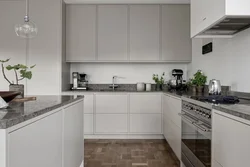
(238,110)
(18,112)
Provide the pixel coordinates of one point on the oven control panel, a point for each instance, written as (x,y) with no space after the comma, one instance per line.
(197,110)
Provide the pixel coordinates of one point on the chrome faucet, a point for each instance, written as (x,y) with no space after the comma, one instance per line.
(113,86)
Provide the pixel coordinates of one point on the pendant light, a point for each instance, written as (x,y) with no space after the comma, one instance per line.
(28,29)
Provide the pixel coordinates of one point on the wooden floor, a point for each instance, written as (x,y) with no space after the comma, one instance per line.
(129,153)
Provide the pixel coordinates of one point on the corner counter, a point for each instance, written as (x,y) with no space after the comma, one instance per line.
(46,132)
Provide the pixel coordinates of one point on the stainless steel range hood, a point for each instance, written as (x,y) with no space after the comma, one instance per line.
(229,26)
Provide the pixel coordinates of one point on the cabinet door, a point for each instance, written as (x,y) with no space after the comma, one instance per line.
(112,32)
(197,16)
(145,103)
(175,139)
(145,123)
(174,106)
(111,103)
(38,144)
(111,123)
(81,33)
(231,138)
(89,104)
(144,32)
(176,41)
(73,135)
(165,115)
(88,124)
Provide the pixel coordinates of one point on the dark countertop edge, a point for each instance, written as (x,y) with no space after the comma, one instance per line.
(5,124)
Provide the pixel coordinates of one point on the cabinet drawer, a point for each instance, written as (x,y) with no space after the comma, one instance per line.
(145,103)
(111,123)
(89,104)
(146,123)
(111,104)
(88,124)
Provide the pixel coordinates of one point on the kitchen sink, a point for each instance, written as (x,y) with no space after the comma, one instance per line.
(111,90)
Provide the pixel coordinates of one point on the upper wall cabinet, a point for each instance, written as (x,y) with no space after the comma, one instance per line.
(80,33)
(219,18)
(176,41)
(112,32)
(128,33)
(144,32)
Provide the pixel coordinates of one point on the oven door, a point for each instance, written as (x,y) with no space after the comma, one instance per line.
(196,142)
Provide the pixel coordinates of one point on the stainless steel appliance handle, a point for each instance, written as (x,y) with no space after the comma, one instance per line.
(201,128)
(186,118)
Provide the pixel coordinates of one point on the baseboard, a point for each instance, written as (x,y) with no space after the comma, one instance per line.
(123,137)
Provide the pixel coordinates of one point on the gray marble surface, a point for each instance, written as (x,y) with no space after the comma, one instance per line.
(18,112)
(238,110)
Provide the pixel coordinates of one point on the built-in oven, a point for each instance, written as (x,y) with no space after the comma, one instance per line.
(196,135)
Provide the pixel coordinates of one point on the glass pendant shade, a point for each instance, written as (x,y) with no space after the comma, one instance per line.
(26,30)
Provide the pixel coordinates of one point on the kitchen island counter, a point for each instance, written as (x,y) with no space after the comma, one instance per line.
(19,112)
(49,131)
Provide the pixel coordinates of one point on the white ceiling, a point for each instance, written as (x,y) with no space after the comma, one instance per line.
(127,1)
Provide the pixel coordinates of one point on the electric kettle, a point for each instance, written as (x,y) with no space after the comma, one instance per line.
(214,87)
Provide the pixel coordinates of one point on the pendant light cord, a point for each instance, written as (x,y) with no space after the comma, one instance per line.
(26,17)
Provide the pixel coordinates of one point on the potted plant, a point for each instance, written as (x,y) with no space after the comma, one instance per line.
(21,72)
(159,81)
(199,80)
(191,85)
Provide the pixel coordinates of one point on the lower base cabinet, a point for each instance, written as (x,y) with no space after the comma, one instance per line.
(54,140)
(36,138)
(172,123)
(111,123)
(89,124)
(145,123)
(231,137)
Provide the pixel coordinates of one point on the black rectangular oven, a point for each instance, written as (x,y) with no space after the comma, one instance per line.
(196,135)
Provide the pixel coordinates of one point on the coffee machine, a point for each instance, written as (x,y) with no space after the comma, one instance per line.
(80,81)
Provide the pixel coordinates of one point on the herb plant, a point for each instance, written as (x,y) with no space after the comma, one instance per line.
(158,80)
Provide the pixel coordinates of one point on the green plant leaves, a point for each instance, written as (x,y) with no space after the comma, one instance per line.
(4,61)
(159,80)
(26,74)
(21,69)
(199,78)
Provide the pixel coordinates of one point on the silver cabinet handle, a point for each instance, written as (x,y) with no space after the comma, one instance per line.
(201,128)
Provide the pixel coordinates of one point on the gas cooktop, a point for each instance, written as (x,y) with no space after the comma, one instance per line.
(219,99)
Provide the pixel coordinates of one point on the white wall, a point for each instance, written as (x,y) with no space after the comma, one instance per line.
(229,62)
(10,45)
(45,50)
(131,73)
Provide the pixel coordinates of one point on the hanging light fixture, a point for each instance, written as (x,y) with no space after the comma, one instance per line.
(28,29)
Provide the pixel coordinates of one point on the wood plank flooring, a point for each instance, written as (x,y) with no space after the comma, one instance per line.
(129,153)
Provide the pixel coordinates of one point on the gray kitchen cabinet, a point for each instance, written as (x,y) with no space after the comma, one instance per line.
(144,32)
(172,123)
(81,33)
(176,41)
(112,32)
(231,136)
